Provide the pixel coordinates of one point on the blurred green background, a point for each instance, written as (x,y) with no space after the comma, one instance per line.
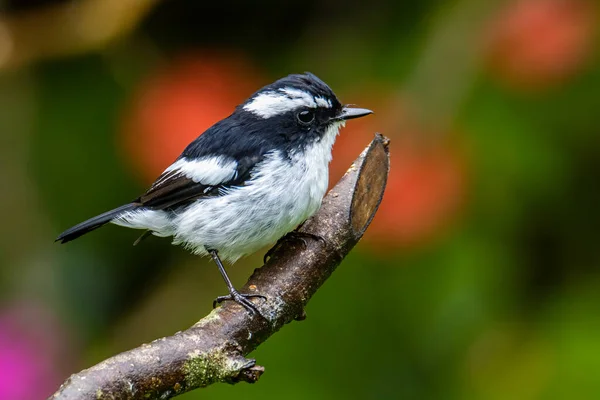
(478,278)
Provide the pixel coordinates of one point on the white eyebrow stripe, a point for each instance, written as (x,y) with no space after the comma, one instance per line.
(296,94)
(321,102)
(208,171)
(271,103)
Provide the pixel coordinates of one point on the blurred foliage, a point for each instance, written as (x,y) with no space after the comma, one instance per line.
(479,276)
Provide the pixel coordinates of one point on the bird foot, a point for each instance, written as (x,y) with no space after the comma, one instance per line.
(241,299)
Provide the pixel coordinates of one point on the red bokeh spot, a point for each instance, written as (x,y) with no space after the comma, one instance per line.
(425,188)
(177,103)
(537,43)
(427,183)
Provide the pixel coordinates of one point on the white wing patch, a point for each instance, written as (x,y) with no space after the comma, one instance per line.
(208,171)
(272,103)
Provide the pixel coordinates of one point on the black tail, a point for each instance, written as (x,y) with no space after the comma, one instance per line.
(92,223)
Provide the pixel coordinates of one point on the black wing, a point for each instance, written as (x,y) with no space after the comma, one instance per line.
(173,188)
(235,138)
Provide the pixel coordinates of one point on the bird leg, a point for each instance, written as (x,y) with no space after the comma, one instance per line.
(144,236)
(234,295)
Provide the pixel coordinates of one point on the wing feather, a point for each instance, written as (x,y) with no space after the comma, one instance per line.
(185,180)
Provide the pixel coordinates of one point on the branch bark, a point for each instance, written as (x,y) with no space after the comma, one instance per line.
(214,349)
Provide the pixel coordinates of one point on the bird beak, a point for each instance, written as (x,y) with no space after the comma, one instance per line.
(350,113)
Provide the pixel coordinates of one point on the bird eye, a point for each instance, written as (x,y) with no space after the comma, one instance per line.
(306,117)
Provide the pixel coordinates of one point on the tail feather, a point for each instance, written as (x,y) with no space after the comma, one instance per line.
(93,223)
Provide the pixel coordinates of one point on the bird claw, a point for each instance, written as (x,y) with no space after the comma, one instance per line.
(241,299)
(293,235)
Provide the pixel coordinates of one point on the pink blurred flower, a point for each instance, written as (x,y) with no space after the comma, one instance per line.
(31,346)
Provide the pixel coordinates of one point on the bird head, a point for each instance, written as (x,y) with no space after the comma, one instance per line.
(300,107)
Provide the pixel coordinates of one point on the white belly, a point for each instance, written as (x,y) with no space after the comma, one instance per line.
(247,218)
(282,195)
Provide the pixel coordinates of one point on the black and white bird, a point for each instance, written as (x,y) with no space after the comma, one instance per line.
(247,180)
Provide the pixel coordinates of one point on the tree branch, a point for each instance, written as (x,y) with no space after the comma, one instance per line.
(214,349)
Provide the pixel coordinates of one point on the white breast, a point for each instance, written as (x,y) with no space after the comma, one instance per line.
(282,195)
(284,191)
